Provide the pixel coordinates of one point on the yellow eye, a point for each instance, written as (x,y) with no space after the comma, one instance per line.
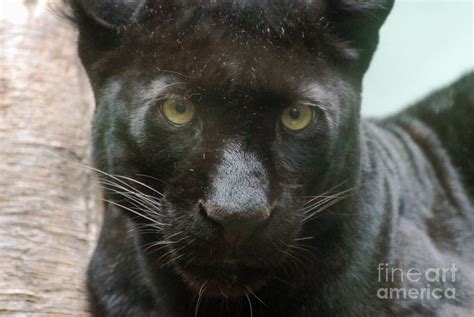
(298,117)
(178,111)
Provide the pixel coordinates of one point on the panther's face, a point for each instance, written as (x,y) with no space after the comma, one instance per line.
(235,130)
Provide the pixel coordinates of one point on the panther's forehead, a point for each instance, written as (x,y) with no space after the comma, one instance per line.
(269,18)
(223,68)
(243,46)
(234,35)
(240,27)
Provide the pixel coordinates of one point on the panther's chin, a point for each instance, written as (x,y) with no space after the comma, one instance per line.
(224,280)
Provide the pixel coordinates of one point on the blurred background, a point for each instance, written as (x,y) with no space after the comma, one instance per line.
(424,45)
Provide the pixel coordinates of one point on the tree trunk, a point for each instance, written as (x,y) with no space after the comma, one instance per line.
(49,210)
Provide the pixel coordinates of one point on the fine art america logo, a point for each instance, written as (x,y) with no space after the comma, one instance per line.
(416,283)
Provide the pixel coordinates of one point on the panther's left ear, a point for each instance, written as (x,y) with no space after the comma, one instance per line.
(359,22)
(100,22)
(109,14)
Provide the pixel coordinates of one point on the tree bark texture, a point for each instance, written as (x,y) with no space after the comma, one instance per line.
(49,206)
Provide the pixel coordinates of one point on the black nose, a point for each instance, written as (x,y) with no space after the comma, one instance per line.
(238,223)
(238,195)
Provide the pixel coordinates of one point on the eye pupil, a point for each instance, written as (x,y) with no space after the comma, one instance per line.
(179,111)
(294,113)
(297,117)
(180,107)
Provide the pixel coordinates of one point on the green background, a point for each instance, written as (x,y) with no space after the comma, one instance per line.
(424,45)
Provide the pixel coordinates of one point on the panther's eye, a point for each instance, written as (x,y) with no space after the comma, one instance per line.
(179,111)
(296,118)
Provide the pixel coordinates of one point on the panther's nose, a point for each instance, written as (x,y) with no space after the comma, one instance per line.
(238,196)
(238,223)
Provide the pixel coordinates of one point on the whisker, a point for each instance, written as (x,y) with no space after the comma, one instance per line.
(99,171)
(200,293)
(154,178)
(298,257)
(292,256)
(172,72)
(283,281)
(161,243)
(299,247)
(151,198)
(254,295)
(310,211)
(304,238)
(174,259)
(328,198)
(250,304)
(317,204)
(169,253)
(142,207)
(138,198)
(131,210)
(142,184)
(326,192)
(317,211)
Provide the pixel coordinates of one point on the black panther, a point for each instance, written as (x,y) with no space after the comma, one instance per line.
(240,180)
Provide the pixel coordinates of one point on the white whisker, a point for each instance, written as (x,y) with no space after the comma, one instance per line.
(200,295)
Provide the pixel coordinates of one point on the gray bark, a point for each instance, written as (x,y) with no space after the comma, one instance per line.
(49,207)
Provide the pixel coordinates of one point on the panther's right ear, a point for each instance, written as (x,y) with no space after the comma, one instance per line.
(358,22)
(100,22)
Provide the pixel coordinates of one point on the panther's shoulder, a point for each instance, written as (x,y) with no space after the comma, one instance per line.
(445,121)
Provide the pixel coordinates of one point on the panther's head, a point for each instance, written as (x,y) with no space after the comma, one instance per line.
(232,125)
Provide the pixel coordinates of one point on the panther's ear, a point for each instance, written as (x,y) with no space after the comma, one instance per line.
(101,21)
(359,22)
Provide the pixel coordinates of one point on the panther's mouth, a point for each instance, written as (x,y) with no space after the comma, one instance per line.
(229,279)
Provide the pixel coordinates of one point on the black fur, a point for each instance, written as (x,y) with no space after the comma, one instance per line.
(395,191)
